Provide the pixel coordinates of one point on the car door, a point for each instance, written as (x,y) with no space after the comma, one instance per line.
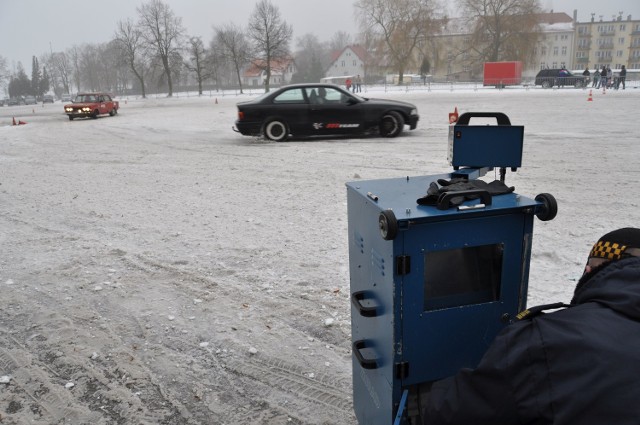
(336,112)
(291,107)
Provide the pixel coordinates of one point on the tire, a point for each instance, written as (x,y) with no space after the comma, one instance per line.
(276,130)
(546,84)
(95,114)
(549,208)
(391,124)
(578,84)
(70,118)
(112,112)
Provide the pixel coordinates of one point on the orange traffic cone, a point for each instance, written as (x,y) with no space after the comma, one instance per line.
(590,98)
(453,116)
(20,122)
(14,121)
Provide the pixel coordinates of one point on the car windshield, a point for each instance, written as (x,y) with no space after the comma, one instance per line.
(84,98)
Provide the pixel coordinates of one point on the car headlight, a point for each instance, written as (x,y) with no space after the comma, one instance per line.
(86,109)
(414,111)
(69,109)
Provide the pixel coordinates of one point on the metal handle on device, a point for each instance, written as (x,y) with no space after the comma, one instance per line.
(502,119)
(365,363)
(356,300)
(444,201)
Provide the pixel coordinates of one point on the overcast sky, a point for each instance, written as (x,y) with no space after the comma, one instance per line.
(34,27)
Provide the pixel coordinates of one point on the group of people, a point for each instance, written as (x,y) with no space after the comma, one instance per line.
(356,86)
(604,78)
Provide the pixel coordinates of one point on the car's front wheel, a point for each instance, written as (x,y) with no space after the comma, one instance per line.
(546,84)
(70,117)
(578,84)
(391,124)
(95,114)
(276,130)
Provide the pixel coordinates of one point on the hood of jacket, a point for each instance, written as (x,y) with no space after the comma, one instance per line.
(616,286)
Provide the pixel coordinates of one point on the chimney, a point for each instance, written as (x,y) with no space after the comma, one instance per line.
(575,15)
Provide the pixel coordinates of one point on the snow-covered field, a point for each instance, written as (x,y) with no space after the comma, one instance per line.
(158,268)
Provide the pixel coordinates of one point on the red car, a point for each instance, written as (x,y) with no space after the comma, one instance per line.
(91,105)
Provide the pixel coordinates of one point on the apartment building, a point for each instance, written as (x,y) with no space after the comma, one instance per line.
(610,43)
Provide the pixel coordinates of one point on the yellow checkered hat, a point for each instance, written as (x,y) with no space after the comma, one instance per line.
(613,245)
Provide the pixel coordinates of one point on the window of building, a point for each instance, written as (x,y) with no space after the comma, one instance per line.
(564,50)
(555,65)
(623,27)
(555,51)
(621,40)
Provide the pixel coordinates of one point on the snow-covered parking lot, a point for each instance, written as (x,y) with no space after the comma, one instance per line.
(158,268)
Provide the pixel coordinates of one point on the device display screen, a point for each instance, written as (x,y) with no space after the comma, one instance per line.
(463,276)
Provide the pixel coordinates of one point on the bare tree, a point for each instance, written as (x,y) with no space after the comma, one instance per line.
(312,57)
(270,35)
(198,61)
(73,54)
(233,47)
(162,30)
(63,70)
(4,73)
(340,40)
(398,25)
(129,40)
(502,29)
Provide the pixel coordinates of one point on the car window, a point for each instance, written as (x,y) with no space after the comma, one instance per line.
(290,96)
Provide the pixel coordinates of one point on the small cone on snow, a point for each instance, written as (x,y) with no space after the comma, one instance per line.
(590,98)
(453,116)
(20,122)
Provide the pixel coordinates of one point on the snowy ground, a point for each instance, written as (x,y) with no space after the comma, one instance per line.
(156,267)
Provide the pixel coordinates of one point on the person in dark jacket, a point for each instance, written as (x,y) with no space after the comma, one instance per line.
(579,365)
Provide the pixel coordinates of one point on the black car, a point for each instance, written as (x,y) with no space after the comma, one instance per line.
(320,110)
(559,77)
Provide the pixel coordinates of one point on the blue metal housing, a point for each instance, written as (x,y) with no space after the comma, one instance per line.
(430,288)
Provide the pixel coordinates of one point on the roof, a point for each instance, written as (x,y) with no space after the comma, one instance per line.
(360,51)
(277,66)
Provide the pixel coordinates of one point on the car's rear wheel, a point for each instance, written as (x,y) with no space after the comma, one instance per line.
(578,84)
(112,112)
(391,124)
(546,84)
(276,130)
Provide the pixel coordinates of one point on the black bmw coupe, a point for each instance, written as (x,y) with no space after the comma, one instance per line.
(321,110)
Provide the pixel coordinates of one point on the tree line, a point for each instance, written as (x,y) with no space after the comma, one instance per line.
(155,52)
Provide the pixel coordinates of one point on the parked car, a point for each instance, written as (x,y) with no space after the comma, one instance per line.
(18,100)
(66,97)
(91,105)
(47,98)
(321,110)
(30,100)
(559,77)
